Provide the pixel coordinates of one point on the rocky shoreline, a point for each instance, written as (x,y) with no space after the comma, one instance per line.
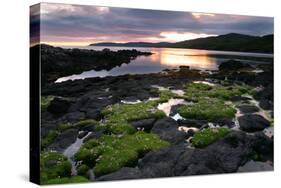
(220,122)
(57,62)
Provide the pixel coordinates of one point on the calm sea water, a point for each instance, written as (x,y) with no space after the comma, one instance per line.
(162,58)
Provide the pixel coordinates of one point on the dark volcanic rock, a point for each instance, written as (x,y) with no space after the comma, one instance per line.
(64,140)
(266,104)
(263,145)
(253,123)
(73,116)
(246,109)
(161,163)
(255,166)
(58,106)
(94,135)
(82,134)
(192,123)
(122,174)
(145,124)
(225,122)
(239,98)
(232,65)
(223,156)
(167,129)
(93,114)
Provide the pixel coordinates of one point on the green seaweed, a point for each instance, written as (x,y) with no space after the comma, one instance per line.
(53,165)
(45,101)
(110,152)
(207,109)
(196,91)
(65,180)
(208,136)
(118,116)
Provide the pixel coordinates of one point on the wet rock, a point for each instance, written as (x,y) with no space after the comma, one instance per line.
(167,129)
(223,156)
(252,123)
(122,174)
(233,65)
(145,124)
(225,122)
(93,114)
(82,134)
(89,128)
(255,166)
(94,135)
(263,146)
(192,123)
(239,98)
(73,116)
(58,106)
(64,140)
(266,104)
(161,163)
(246,109)
(184,67)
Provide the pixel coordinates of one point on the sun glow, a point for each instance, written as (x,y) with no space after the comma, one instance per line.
(181,36)
(198,15)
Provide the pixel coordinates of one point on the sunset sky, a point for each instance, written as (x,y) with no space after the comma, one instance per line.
(76,25)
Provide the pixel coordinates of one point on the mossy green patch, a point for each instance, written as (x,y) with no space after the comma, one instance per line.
(165,95)
(118,116)
(196,91)
(208,136)
(53,165)
(110,152)
(79,125)
(45,101)
(82,170)
(49,138)
(209,109)
(65,180)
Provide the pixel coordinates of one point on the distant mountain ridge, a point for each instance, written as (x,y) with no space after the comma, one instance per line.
(227,42)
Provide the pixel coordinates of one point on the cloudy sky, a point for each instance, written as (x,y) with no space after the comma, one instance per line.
(63,24)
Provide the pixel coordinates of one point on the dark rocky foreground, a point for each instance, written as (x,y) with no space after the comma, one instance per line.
(94,110)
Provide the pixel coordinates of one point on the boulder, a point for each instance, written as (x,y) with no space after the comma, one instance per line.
(266,104)
(167,129)
(94,135)
(233,65)
(73,116)
(145,124)
(225,122)
(58,106)
(255,166)
(122,174)
(161,163)
(64,140)
(82,134)
(93,114)
(246,109)
(223,156)
(192,123)
(239,98)
(252,123)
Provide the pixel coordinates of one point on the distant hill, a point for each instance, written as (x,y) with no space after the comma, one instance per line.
(228,42)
